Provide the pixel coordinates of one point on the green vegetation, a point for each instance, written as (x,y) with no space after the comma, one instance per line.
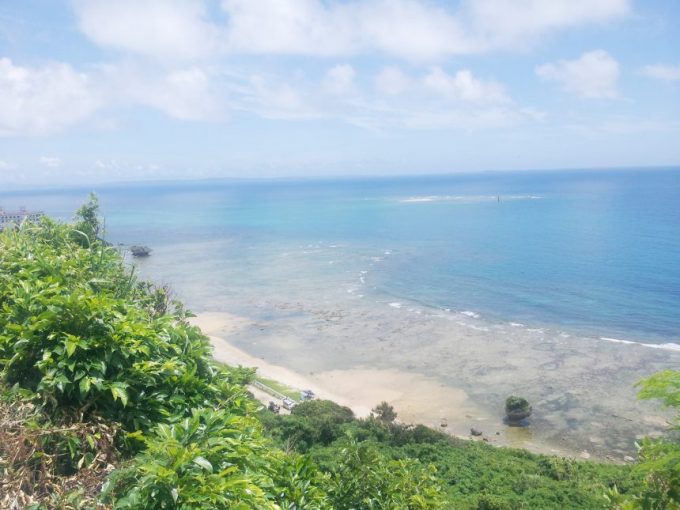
(517,409)
(659,459)
(109,398)
(473,475)
(279,387)
(384,412)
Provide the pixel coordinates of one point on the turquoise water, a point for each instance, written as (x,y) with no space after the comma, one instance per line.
(593,252)
(537,284)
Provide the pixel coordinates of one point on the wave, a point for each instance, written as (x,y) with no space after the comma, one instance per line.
(466,198)
(670,346)
(485,325)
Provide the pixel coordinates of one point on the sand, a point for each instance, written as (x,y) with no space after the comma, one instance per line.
(417,399)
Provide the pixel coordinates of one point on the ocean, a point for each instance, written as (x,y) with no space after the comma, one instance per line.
(445,275)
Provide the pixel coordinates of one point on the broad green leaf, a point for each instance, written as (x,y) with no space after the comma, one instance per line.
(204,463)
(119,393)
(84,385)
(71,346)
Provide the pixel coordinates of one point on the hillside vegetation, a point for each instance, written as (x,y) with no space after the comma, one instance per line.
(109,398)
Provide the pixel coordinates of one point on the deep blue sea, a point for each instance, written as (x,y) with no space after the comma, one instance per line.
(597,252)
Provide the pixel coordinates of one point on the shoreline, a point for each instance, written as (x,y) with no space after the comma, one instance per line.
(417,399)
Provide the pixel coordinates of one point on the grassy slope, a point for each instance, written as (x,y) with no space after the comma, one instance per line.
(474,474)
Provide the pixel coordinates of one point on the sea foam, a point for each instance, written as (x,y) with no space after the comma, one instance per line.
(670,346)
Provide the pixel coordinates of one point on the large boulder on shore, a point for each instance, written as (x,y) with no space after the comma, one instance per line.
(517,409)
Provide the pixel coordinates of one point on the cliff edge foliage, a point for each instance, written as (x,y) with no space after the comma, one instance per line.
(109,398)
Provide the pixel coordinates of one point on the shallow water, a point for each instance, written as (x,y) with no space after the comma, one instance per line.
(523,283)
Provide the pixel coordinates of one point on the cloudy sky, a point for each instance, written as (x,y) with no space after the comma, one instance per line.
(108,90)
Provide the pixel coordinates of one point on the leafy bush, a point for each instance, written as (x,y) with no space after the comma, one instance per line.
(660,458)
(88,225)
(315,422)
(384,412)
(365,479)
(79,331)
(210,460)
(323,410)
(473,474)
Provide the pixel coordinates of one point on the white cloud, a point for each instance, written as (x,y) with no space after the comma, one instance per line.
(213,92)
(4,165)
(305,27)
(392,81)
(339,80)
(410,29)
(406,28)
(167,29)
(511,23)
(52,98)
(43,100)
(275,98)
(464,86)
(184,93)
(593,75)
(50,161)
(432,100)
(663,72)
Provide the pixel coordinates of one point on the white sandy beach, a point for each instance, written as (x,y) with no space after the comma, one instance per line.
(416,399)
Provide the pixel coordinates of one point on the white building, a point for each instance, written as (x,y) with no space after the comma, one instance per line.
(8,219)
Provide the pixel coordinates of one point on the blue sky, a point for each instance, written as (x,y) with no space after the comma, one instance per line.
(109,90)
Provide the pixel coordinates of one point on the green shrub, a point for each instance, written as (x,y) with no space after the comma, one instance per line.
(384,412)
(209,460)
(314,422)
(323,410)
(491,502)
(659,458)
(365,479)
(79,331)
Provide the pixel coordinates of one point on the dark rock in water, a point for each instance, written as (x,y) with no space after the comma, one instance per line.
(475,432)
(517,409)
(140,251)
